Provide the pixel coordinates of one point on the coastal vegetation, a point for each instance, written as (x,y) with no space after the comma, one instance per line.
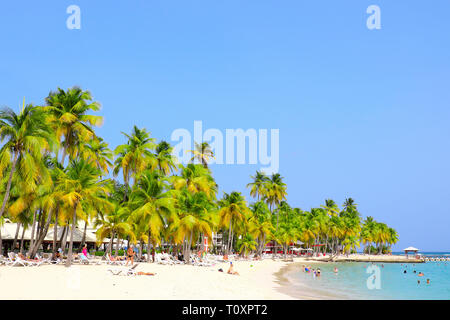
(57,173)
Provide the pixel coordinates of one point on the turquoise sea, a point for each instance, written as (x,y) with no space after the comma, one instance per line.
(351,281)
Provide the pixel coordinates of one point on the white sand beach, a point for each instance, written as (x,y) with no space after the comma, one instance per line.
(257,280)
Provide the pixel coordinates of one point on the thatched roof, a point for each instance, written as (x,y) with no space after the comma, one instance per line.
(8,232)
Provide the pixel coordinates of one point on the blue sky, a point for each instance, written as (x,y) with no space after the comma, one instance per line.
(361,113)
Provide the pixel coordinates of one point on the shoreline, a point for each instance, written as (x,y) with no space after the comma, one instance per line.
(368,258)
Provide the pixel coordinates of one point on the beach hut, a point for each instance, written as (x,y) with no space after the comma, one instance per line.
(411,249)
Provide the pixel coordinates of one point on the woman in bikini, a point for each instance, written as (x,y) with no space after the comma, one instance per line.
(130,255)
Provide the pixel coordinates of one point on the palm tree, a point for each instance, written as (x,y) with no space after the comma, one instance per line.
(194,218)
(202,153)
(349,204)
(166,162)
(195,178)
(68,116)
(331,207)
(135,156)
(80,189)
(233,209)
(112,224)
(27,136)
(276,191)
(258,186)
(97,152)
(246,244)
(153,203)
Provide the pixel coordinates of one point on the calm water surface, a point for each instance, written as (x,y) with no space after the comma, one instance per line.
(351,280)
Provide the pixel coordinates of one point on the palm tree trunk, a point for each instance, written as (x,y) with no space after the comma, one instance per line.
(55,232)
(1,242)
(42,235)
(148,247)
(117,246)
(63,240)
(33,227)
(69,255)
(21,240)
(8,186)
(229,238)
(83,239)
(16,237)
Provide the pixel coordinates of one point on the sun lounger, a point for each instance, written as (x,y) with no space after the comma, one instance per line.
(129,272)
(114,262)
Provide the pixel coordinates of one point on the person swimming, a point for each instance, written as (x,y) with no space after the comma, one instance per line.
(428,281)
(404,271)
(335,270)
(318,272)
(420,274)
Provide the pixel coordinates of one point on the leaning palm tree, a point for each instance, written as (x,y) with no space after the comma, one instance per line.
(202,153)
(26,137)
(70,119)
(79,189)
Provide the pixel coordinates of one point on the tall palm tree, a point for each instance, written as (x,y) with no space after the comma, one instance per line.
(233,209)
(153,203)
(331,207)
(79,189)
(195,178)
(70,119)
(194,218)
(114,223)
(166,162)
(259,184)
(97,151)
(26,137)
(202,153)
(135,156)
(276,191)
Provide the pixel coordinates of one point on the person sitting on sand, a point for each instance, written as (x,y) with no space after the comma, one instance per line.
(231,270)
